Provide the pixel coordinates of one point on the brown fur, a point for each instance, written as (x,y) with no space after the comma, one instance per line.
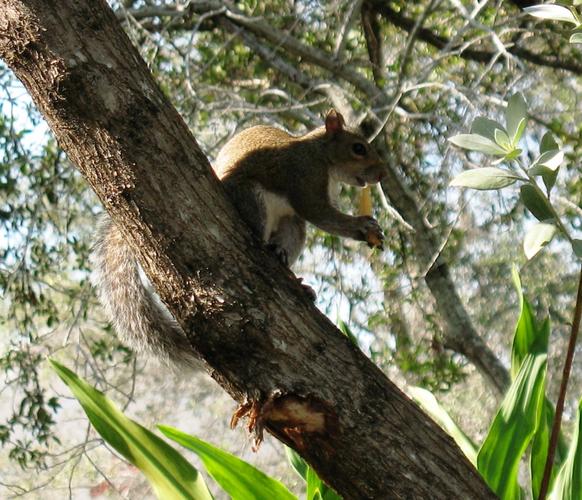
(277,182)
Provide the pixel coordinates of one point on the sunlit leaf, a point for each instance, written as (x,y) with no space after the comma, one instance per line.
(538,236)
(576,38)
(568,482)
(238,478)
(502,139)
(299,465)
(553,12)
(515,116)
(513,428)
(551,159)
(428,403)
(548,143)
(170,475)
(476,142)
(485,178)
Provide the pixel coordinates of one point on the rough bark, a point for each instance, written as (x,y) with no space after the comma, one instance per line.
(459,333)
(248,318)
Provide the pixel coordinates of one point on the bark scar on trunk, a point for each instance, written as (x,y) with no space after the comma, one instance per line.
(295,417)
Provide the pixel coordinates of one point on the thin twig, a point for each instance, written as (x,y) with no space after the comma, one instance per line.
(561,398)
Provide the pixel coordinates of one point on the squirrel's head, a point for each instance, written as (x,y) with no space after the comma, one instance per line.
(352,159)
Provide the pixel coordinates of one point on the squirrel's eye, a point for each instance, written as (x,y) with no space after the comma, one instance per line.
(359,149)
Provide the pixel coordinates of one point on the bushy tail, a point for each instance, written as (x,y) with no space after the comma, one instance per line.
(138,316)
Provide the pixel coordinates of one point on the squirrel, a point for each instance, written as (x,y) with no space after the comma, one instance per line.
(277,182)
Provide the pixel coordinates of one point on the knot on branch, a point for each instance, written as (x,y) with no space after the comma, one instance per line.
(295,418)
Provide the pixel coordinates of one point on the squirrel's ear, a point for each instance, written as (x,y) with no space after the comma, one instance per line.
(334,122)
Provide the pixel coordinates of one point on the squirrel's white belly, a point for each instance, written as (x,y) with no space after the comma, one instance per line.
(276,207)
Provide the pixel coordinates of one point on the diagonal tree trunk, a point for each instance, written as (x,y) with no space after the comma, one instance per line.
(260,337)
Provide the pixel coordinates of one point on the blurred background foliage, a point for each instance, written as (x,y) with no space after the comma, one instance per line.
(435,309)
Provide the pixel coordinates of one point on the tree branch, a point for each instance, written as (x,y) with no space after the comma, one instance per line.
(245,315)
(481,56)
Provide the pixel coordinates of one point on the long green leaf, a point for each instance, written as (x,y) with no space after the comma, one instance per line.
(170,475)
(428,403)
(522,408)
(238,478)
(513,428)
(568,483)
(527,334)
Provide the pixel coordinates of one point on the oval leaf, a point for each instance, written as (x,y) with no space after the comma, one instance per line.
(485,127)
(548,143)
(551,159)
(577,247)
(537,238)
(553,12)
(476,142)
(485,178)
(576,38)
(537,204)
(515,116)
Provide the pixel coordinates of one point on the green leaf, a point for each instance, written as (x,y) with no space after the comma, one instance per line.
(299,465)
(576,38)
(316,488)
(485,178)
(536,203)
(236,477)
(548,143)
(429,404)
(170,475)
(346,330)
(521,409)
(527,332)
(485,127)
(476,142)
(577,247)
(548,175)
(538,236)
(539,449)
(502,140)
(515,116)
(568,483)
(513,428)
(553,12)
(551,159)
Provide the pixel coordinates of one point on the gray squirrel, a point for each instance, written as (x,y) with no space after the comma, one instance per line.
(277,182)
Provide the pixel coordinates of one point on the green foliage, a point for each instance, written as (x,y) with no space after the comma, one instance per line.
(236,477)
(568,483)
(316,488)
(170,475)
(523,420)
(517,419)
(489,137)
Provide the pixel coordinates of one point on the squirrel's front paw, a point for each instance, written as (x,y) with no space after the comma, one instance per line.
(280,252)
(371,232)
